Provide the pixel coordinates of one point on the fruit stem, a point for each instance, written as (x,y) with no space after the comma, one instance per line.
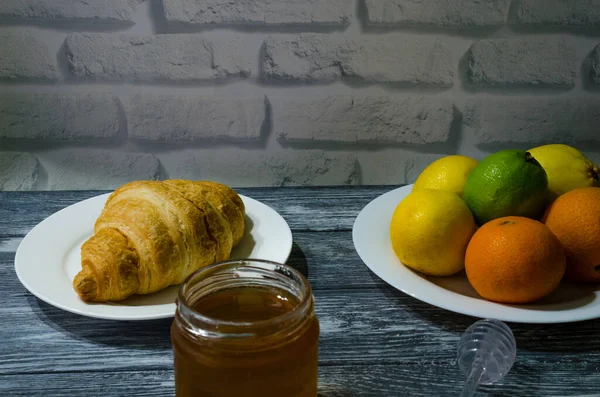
(530,159)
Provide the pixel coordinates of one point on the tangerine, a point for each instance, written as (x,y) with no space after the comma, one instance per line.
(514,259)
(574,218)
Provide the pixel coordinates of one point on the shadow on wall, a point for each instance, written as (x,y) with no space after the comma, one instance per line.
(590,76)
(84,25)
(359,92)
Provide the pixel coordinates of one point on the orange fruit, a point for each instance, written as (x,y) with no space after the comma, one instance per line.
(574,218)
(514,259)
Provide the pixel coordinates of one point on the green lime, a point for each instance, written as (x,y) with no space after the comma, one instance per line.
(506,183)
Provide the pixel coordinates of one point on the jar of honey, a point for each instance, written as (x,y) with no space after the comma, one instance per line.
(245,328)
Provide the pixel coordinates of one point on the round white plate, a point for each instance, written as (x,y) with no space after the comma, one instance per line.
(48,259)
(370,233)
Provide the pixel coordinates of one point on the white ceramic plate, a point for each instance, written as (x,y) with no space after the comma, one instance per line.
(48,258)
(370,233)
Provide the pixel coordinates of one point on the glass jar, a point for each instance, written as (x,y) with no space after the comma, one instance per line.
(245,328)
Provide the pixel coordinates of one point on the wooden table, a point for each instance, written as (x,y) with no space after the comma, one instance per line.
(375,340)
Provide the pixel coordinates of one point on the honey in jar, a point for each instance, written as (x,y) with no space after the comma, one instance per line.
(245,328)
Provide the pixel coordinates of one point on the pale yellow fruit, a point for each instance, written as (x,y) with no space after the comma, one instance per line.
(448,173)
(430,230)
(566,167)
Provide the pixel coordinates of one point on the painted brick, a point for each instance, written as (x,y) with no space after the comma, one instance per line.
(394,58)
(18,171)
(58,116)
(181,118)
(443,13)
(81,169)
(573,13)
(595,73)
(24,56)
(269,12)
(533,120)
(274,168)
(105,10)
(523,61)
(169,57)
(377,119)
(393,167)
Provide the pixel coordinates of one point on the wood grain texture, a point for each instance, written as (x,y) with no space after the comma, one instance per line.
(361,327)
(304,208)
(375,341)
(374,326)
(329,261)
(353,380)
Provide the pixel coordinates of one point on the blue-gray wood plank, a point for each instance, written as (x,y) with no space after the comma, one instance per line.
(375,341)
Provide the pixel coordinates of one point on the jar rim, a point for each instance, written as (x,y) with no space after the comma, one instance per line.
(267,265)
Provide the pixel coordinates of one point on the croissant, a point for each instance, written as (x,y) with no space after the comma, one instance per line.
(154,234)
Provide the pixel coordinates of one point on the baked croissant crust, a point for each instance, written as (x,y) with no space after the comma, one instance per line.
(154,234)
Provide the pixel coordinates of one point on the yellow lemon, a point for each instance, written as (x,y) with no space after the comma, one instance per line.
(567,168)
(448,173)
(430,231)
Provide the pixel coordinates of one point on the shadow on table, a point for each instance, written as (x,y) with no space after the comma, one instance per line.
(568,338)
(148,334)
(558,337)
(533,379)
(443,319)
(297,260)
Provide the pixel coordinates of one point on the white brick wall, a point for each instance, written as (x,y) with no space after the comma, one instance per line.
(574,13)
(19,171)
(23,55)
(393,58)
(267,12)
(188,118)
(98,169)
(281,92)
(51,116)
(102,10)
(596,65)
(288,167)
(534,120)
(125,57)
(456,13)
(523,61)
(364,119)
